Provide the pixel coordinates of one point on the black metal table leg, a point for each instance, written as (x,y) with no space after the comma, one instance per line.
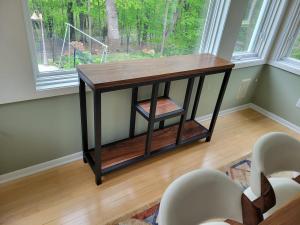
(133,111)
(186,103)
(166,95)
(197,97)
(97,127)
(84,133)
(218,104)
(151,117)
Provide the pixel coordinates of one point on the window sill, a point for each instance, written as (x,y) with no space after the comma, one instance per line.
(287,66)
(248,62)
(52,86)
(56,81)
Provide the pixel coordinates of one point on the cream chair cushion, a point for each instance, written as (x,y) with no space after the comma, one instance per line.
(199,196)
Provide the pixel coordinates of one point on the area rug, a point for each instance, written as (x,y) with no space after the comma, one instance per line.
(239,171)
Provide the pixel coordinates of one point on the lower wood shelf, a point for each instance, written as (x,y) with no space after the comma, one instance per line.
(119,152)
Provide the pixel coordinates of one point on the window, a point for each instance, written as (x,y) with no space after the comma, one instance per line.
(250,23)
(68,33)
(258,29)
(287,50)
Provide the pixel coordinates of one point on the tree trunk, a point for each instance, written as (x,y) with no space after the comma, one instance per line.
(164,28)
(127,42)
(113,34)
(138,28)
(51,36)
(82,21)
(176,16)
(145,31)
(71,19)
(90,24)
(99,17)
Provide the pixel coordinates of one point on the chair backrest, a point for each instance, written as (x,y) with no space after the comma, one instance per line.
(273,152)
(198,196)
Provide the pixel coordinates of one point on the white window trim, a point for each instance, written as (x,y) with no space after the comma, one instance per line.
(265,30)
(283,48)
(29,32)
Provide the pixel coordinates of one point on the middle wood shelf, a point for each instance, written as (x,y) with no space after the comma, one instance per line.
(165,108)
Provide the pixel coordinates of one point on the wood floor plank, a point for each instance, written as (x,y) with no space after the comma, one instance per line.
(68,195)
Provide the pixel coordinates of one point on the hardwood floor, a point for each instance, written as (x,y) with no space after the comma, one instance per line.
(68,194)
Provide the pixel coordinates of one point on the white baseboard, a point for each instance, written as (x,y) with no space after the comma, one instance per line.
(39,167)
(276,118)
(224,112)
(76,156)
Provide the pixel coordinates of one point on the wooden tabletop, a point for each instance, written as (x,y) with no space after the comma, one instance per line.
(289,214)
(118,74)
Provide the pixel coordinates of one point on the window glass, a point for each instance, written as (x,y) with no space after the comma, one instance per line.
(296,48)
(71,32)
(247,30)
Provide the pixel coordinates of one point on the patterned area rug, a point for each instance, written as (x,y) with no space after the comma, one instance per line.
(239,171)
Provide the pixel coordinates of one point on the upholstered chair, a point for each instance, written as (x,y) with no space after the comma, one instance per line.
(272,153)
(206,195)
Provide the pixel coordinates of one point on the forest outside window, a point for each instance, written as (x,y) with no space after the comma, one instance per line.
(66,33)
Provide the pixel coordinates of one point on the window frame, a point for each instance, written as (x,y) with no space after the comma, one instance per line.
(214,25)
(289,33)
(263,36)
(242,55)
(47,80)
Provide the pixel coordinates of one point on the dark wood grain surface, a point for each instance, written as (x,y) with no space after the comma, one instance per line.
(118,74)
(286,215)
(135,147)
(164,105)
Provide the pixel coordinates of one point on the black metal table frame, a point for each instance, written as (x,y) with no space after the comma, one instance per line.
(95,163)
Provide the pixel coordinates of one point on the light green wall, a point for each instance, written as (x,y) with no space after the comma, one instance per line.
(278,92)
(36,131)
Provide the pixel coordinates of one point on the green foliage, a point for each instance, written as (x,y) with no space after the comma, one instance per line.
(141,26)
